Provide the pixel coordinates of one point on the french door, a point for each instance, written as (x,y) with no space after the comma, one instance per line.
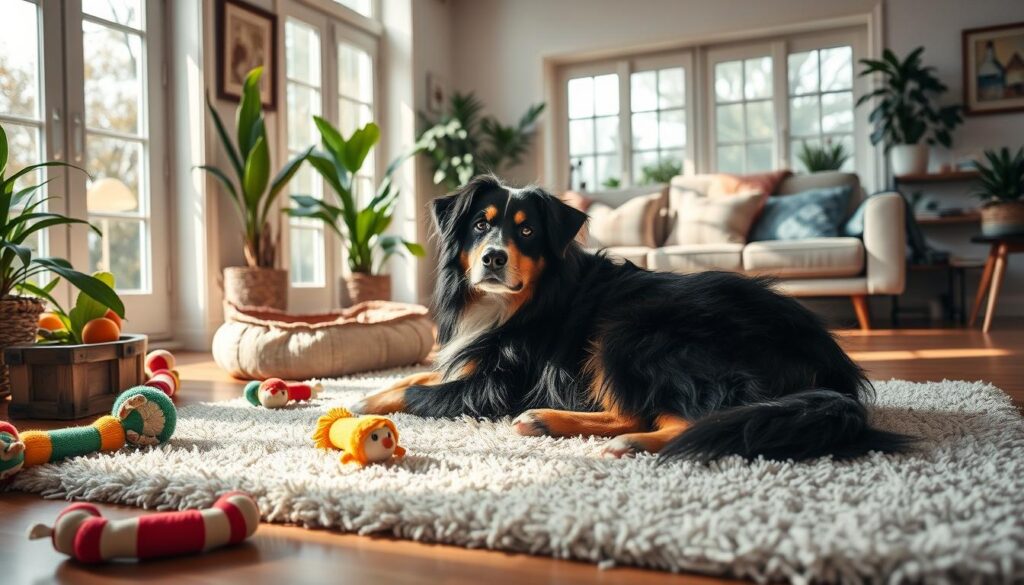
(81,81)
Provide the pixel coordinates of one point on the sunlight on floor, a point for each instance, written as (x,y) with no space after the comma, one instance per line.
(927,354)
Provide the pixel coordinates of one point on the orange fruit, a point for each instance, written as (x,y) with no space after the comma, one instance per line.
(113,317)
(101,330)
(50,322)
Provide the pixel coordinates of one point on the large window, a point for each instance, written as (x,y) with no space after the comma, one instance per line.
(355,106)
(821,100)
(594,130)
(657,102)
(744,116)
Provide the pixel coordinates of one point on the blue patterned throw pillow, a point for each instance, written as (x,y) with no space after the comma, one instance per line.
(817,213)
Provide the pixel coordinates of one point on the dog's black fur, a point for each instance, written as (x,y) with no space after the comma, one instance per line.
(754,371)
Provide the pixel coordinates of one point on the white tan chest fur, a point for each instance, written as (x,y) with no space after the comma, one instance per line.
(480,315)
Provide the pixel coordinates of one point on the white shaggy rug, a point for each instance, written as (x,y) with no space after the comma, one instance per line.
(952,512)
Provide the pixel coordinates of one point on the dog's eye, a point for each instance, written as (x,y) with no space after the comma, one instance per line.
(526,231)
(374,436)
(481,226)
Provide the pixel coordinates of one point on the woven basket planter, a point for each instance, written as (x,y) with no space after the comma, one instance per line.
(367,287)
(1002,219)
(256,287)
(20,318)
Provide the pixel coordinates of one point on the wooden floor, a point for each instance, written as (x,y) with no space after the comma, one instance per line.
(286,554)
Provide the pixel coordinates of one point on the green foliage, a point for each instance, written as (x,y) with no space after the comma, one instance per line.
(1002,179)
(86,309)
(21,218)
(462,143)
(612,183)
(662,172)
(905,112)
(249,156)
(828,157)
(361,229)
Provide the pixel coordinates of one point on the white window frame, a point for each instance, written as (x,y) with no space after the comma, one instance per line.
(742,53)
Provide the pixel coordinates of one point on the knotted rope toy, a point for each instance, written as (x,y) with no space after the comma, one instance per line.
(141,416)
(276,393)
(81,532)
(363,439)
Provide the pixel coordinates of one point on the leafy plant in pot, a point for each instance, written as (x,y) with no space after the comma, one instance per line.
(1001,190)
(905,116)
(827,157)
(22,217)
(259,283)
(362,229)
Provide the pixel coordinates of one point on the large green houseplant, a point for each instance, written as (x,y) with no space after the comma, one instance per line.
(905,115)
(253,194)
(22,218)
(362,228)
(462,144)
(1001,190)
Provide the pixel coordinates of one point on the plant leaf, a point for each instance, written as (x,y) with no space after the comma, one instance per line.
(94,287)
(225,140)
(257,173)
(359,145)
(249,110)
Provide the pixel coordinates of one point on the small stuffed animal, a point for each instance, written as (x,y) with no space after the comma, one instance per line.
(275,392)
(363,439)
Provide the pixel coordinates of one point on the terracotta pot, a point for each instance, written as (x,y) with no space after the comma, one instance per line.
(20,318)
(256,287)
(1002,219)
(368,287)
(909,159)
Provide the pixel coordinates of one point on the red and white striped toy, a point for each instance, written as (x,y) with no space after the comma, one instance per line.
(84,534)
(164,381)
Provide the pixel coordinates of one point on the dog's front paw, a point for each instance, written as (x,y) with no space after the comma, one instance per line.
(530,424)
(618,448)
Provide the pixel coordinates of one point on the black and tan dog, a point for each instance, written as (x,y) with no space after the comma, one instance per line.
(572,343)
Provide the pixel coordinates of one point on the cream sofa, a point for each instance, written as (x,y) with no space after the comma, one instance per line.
(819,267)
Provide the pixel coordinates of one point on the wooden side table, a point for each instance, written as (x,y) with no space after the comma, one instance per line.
(992,276)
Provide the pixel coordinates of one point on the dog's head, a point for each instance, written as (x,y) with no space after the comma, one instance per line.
(504,238)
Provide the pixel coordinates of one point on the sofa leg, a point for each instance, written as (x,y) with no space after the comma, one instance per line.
(860,306)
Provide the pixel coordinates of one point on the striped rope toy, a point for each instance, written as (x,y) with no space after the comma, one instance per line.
(81,532)
(275,392)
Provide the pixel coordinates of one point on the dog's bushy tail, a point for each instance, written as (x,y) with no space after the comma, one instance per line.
(799,426)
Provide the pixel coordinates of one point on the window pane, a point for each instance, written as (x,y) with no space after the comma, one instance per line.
(837,112)
(126,12)
(353,116)
(672,129)
(670,88)
(303,104)
(587,173)
(729,123)
(760,120)
(641,161)
(608,167)
(23,150)
(795,148)
(803,116)
(121,161)
(113,78)
(836,68)
(803,73)
(758,81)
(607,134)
(306,182)
(606,95)
(643,91)
(581,136)
(355,77)
(119,250)
(847,141)
(730,159)
(363,7)
(19,60)
(729,81)
(302,52)
(759,157)
(676,156)
(581,97)
(645,131)
(306,255)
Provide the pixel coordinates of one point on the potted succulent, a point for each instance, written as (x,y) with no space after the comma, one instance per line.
(260,283)
(827,157)
(905,116)
(22,218)
(1001,190)
(362,229)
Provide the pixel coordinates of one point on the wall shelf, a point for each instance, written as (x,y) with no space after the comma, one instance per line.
(950,177)
(963,218)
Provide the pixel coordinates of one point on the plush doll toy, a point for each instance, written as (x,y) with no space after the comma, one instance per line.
(275,393)
(81,532)
(141,416)
(363,439)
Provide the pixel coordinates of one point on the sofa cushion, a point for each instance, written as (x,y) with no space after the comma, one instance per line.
(821,180)
(630,224)
(809,258)
(726,184)
(635,254)
(711,220)
(816,213)
(696,258)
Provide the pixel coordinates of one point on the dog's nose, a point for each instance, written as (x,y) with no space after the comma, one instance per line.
(494,258)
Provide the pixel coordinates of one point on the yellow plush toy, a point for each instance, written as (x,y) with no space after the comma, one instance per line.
(364,439)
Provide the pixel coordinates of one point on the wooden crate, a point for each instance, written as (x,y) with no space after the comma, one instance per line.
(73,381)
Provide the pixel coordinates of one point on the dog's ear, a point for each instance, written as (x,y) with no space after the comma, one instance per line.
(448,209)
(564,222)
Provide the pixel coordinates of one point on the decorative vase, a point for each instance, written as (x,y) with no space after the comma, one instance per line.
(909,159)
(1002,219)
(368,287)
(20,318)
(246,286)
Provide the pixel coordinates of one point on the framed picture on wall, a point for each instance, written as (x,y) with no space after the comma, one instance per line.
(994,69)
(246,39)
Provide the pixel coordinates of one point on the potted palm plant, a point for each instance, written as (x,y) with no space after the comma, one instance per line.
(1001,190)
(22,218)
(827,157)
(905,116)
(362,229)
(260,283)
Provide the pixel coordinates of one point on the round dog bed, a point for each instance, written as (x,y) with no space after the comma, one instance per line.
(262,343)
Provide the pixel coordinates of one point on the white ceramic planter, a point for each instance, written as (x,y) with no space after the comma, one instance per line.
(909,159)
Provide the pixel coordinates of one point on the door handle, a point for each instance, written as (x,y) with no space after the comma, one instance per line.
(78,137)
(57,134)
